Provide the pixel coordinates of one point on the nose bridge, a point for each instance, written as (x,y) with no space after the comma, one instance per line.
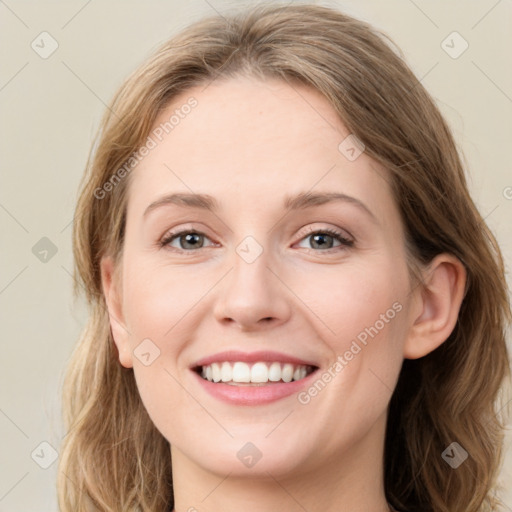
(252,295)
(251,268)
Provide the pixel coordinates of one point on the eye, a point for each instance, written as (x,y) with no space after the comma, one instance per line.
(184,240)
(189,240)
(325,239)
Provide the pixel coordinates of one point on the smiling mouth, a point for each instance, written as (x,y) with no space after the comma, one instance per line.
(256,374)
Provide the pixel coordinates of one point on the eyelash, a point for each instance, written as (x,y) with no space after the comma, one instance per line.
(338,235)
(344,241)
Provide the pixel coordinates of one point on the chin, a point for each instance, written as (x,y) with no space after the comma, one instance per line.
(251,455)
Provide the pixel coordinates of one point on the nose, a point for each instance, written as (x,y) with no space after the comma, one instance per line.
(252,296)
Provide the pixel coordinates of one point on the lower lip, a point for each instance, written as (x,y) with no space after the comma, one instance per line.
(253,395)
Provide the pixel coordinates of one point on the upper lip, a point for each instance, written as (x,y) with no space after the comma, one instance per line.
(233,356)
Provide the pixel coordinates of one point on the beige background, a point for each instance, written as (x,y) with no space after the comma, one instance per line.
(50,110)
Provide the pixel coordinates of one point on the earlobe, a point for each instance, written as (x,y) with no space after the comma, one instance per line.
(110,280)
(438,300)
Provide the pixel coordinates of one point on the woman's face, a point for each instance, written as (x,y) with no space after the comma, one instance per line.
(295,261)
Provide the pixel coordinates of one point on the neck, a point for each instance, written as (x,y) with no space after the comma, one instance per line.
(351,480)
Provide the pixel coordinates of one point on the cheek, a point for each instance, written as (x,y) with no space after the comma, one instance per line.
(355,310)
(156,307)
(157,298)
(160,305)
(355,302)
(362,320)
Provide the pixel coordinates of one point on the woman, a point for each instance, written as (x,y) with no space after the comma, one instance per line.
(295,304)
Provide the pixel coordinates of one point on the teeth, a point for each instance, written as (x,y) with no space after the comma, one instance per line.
(274,372)
(226,372)
(258,373)
(287,373)
(216,375)
(241,373)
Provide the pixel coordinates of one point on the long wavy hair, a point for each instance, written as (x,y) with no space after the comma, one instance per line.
(113,458)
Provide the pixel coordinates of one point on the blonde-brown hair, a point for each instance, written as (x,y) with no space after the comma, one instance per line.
(113,458)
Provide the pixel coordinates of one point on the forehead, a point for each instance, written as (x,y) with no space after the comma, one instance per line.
(247,141)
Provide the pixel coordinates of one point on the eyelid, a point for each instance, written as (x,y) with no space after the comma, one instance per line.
(173,234)
(343,233)
(344,243)
(344,237)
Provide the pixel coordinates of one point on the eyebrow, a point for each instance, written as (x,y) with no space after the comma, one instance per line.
(300,201)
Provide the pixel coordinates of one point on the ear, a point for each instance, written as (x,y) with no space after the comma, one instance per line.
(110,280)
(436,305)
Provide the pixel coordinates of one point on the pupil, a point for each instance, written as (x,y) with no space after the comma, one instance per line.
(320,240)
(190,240)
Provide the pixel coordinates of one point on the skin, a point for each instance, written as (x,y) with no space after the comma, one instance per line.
(250,144)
